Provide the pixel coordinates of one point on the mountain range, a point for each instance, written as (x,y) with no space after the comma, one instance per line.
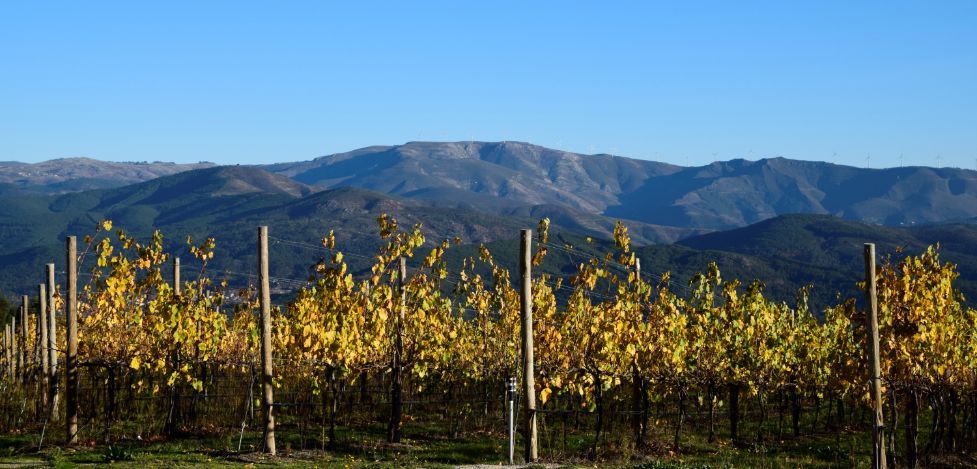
(77,174)
(783,221)
(502,177)
(662,202)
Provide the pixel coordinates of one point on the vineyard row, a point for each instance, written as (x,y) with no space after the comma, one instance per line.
(612,346)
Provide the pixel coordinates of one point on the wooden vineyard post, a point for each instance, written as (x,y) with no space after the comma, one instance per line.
(6,350)
(52,346)
(267,378)
(176,276)
(12,349)
(15,361)
(19,341)
(30,360)
(875,380)
(640,396)
(71,328)
(42,331)
(396,385)
(24,340)
(528,367)
(173,418)
(364,375)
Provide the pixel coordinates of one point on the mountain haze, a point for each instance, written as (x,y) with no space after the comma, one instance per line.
(494,176)
(740,192)
(77,174)
(661,202)
(228,203)
(508,177)
(785,222)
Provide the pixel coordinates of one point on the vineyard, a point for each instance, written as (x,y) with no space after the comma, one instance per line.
(623,362)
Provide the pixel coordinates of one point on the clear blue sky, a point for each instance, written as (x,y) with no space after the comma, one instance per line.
(241,82)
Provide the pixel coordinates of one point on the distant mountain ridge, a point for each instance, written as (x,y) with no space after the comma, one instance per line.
(785,252)
(493,175)
(504,177)
(661,202)
(736,193)
(78,174)
(228,202)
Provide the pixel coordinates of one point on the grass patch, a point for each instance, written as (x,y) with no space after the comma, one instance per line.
(433,444)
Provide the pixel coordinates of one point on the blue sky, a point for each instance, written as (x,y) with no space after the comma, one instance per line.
(241,82)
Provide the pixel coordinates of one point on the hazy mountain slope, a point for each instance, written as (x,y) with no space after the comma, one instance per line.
(230,202)
(508,171)
(740,192)
(227,203)
(79,174)
(212,193)
(421,183)
(502,177)
(586,191)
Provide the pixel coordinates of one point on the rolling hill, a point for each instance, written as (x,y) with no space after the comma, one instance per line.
(785,222)
(828,251)
(785,252)
(228,203)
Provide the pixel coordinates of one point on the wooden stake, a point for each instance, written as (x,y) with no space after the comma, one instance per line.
(176,276)
(397,367)
(71,357)
(42,330)
(528,366)
(267,378)
(52,346)
(875,380)
(6,351)
(11,354)
(25,334)
(16,362)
